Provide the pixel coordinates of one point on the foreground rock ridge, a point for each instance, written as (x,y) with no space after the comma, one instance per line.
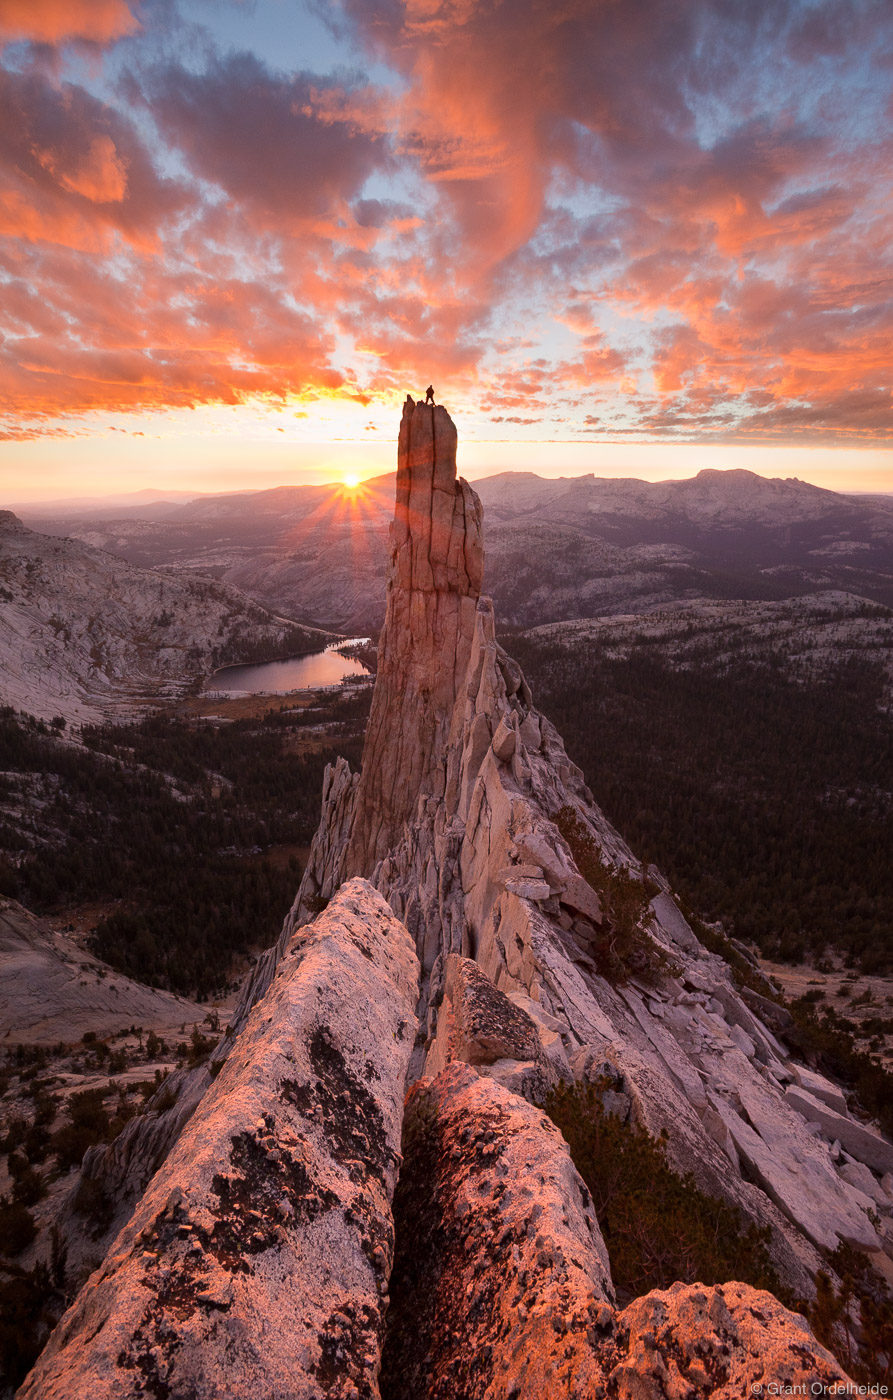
(461,951)
(257,1262)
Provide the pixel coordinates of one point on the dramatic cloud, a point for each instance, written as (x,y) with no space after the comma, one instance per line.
(279,147)
(629,217)
(738,156)
(74,171)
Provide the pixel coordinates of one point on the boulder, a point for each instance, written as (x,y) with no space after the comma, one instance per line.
(519,872)
(531,731)
(543,849)
(489,1027)
(527,889)
(725,1342)
(821,1088)
(504,740)
(477,1023)
(579,895)
(859,1176)
(538,1013)
(743,1041)
(776,1017)
(674,924)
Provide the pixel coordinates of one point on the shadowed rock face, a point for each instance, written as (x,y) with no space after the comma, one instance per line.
(87,636)
(257,1262)
(43,995)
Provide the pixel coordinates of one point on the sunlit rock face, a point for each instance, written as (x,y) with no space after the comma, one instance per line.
(435,575)
(722,1342)
(501,1280)
(257,1262)
(501,1286)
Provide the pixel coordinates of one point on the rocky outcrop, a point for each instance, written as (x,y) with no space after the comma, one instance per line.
(257,1262)
(501,1280)
(501,1285)
(723,1343)
(478,1025)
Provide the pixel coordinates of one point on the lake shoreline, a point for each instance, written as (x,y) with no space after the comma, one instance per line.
(323,669)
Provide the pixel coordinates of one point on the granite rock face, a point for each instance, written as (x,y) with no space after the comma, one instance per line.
(501,1287)
(454,820)
(484,1026)
(52,990)
(257,1262)
(479,1025)
(279,1187)
(723,1343)
(87,636)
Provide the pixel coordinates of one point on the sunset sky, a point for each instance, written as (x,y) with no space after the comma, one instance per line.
(632,237)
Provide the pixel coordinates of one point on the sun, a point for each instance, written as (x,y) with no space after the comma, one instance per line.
(351,481)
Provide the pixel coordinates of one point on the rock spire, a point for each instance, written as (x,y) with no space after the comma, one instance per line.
(470,819)
(434,582)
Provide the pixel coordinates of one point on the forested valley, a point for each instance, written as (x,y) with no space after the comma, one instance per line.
(182,834)
(764,796)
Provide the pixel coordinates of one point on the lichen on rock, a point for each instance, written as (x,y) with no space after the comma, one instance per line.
(501,1281)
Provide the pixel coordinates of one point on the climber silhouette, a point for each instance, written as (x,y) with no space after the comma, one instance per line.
(429,395)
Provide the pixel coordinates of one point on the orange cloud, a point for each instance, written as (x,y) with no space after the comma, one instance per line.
(100,175)
(678,213)
(74,171)
(52,21)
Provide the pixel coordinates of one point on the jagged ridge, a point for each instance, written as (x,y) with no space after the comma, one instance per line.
(453,821)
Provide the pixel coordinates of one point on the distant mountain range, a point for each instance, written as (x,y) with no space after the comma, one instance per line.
(148,502)
(558,548)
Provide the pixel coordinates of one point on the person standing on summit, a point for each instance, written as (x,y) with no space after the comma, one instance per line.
(429,395)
